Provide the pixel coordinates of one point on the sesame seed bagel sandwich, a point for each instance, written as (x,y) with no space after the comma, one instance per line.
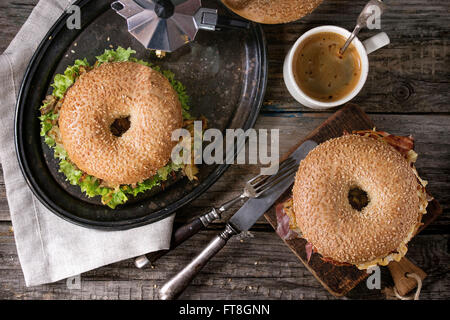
(272,11)
(110,125)
(357,199)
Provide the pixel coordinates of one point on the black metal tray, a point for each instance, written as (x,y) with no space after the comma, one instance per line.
(225,73)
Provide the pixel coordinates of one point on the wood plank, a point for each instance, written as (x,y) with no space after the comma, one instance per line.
(232,274)
(14,14)
(409,75)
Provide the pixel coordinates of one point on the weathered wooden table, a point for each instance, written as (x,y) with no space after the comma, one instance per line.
(407,91)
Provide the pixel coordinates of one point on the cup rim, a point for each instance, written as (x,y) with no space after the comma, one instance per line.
(364,66)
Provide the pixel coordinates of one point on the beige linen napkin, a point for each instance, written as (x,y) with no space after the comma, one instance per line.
(49,247)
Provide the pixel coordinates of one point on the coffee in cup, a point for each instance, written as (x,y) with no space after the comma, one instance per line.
(321,71)
(318,79)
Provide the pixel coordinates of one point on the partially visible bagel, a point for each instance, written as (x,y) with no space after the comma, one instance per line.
(272,11)
(325,216)
(113,91)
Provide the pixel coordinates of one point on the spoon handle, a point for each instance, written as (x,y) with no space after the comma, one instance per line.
(361,22)
(350,39)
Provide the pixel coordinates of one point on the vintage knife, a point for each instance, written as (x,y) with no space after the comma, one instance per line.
(242,220)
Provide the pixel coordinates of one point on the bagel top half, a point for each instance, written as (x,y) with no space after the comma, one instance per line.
(332,225)
(114,91)
(272,11)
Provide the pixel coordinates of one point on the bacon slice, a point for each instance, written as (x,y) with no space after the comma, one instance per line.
(309,251)
(402,144)
(336,263)
(283,227)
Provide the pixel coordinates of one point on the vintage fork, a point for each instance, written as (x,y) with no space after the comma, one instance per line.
(254,188)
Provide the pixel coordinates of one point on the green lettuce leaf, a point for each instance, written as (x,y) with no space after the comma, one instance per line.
(118,55)
(72,174)
(62,82)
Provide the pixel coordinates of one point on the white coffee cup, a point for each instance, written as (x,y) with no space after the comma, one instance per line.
(364,48)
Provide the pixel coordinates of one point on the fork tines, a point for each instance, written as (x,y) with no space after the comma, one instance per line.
(261,183)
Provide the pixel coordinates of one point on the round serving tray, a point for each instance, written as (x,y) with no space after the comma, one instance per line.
(225,73)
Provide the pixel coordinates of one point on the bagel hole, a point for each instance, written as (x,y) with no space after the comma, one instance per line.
(120,126)
(358,198)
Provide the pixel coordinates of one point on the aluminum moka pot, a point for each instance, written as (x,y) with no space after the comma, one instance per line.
(167,25)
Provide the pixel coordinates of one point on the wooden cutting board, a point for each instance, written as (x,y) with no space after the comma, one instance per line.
(338,280)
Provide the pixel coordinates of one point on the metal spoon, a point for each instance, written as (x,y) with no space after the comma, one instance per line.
(361,22)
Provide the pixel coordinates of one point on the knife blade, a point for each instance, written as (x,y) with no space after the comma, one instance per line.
(254,208)
(242,220)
